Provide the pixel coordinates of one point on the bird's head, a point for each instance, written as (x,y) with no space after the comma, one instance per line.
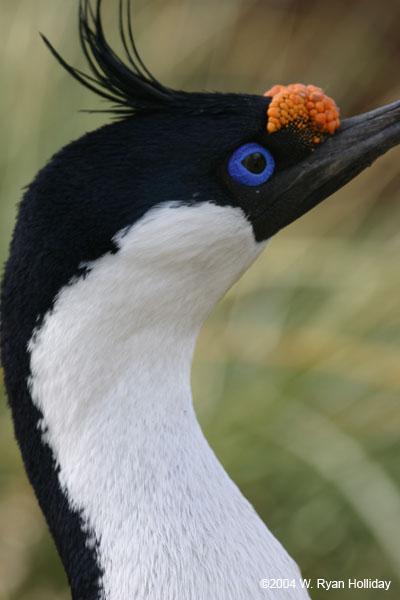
(199,178)
(124,243)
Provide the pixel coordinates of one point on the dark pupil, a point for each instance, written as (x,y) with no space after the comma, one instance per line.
(255,163)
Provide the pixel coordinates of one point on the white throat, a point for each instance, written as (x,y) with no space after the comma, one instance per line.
(111,375)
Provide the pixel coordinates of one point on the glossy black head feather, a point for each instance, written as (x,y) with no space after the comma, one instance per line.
(130,86)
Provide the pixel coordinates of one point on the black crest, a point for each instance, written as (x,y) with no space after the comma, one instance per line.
(129,85)
(127,82)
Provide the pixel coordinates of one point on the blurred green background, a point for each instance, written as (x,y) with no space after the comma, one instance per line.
(297,374)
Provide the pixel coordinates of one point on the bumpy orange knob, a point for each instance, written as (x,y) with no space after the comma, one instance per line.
(304,109)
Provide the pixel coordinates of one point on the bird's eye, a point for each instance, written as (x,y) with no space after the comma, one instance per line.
(251,164)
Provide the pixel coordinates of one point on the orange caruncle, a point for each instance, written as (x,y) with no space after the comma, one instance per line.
(304,108)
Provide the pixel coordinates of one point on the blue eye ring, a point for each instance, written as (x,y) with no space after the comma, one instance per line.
(238,171)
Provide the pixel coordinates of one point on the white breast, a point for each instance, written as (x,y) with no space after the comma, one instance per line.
(111,375)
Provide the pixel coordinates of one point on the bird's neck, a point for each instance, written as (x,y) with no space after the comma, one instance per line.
(111,376)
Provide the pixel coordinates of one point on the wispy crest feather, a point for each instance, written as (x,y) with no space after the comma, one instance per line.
(129,86)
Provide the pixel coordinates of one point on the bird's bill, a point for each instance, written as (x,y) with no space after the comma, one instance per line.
(298,188)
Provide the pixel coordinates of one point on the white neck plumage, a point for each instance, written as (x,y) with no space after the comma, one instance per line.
(111,375)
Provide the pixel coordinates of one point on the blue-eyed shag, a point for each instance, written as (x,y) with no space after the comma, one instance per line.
(124,243)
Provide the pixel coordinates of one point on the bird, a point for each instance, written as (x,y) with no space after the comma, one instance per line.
(124,243)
